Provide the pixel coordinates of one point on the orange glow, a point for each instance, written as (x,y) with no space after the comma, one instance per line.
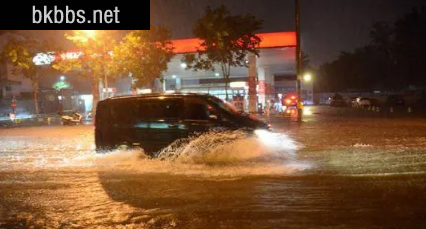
(186,45)
(293,97)
(269,40)
(288,101)
(277,39)
(287,111)
(90,33)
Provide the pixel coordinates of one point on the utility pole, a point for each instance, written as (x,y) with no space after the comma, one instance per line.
(298,64)
(105,53)
(106,84)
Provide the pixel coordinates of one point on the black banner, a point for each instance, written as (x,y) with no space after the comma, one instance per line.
(75,14)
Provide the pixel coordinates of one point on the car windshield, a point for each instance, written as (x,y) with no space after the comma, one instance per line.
(227,106)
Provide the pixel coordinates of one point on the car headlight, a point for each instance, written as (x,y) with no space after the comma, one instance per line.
(261,133)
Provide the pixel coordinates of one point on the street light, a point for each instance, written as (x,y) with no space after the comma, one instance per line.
(307,77)
(62,78)
(90,33)
(85,35)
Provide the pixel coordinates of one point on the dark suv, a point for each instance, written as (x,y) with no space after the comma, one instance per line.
(154,121)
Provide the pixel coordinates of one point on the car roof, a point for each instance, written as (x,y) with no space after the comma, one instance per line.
(156,95)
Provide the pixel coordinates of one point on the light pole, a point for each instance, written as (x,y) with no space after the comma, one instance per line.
(298,64)
(105,81)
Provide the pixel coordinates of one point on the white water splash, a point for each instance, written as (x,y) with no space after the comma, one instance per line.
(212,154)
(361,145)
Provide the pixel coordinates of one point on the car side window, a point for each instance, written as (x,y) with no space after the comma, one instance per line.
(198,110)
(123,112)
(160,109)
(131,112)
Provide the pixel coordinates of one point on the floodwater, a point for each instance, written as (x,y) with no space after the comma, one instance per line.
(332,173)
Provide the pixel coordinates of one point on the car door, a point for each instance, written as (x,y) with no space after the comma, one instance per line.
(127,123)
(164,117)
(199,117)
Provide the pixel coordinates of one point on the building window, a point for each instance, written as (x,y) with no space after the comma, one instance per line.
(8,88)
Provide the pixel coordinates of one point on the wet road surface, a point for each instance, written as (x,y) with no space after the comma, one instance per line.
(332,172)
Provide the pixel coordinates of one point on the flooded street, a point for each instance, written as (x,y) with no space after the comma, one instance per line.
(331,172)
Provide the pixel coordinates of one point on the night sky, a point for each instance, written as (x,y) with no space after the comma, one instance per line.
(328,26)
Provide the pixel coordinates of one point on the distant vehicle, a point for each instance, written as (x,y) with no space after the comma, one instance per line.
(351,101)
(289,100)
(290,111)
(363,102)
(71,118)
(154,121)
(337,101)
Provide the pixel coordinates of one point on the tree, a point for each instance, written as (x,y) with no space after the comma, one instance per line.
(20,51)
(4,32)
(393,60)
(382,38)
(226,41)
(94,60)
(144,55)
(410,47)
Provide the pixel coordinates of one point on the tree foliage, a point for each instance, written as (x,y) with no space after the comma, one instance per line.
(144,55)
(394,59)
(94,54)
(226,41)
(93,58)
(20,52)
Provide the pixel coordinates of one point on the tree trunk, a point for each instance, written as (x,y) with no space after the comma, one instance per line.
(226,88)
(151,86)
(95,91)
(35,95)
